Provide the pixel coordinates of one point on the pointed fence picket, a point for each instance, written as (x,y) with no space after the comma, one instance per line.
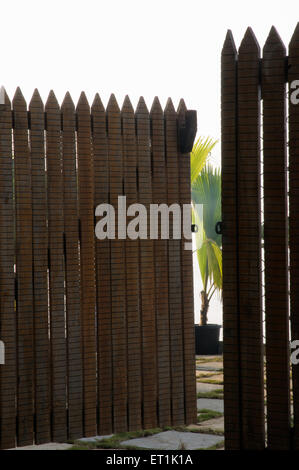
(98,333)
(255,211)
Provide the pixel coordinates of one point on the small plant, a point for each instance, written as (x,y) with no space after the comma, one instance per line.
(206,193)
(205,415)
(182,446)
(213,394)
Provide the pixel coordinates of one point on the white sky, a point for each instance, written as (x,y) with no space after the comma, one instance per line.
(135,47)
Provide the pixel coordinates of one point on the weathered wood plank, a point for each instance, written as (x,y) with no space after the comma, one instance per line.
(40,270)
(134,370)
(147,273)
(231,326)
(174,269)
(159,190)
(293,74)
(276,243)
(72,269)
(103,274)
(56,270)
(8,373)
(118,280)
(87,250)
(24,303)
(187,285)
(97,349)
(249,245)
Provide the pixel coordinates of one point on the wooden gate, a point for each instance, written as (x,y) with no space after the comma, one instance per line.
(260,204)
(98,334)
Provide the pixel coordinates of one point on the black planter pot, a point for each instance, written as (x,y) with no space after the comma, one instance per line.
(207,339)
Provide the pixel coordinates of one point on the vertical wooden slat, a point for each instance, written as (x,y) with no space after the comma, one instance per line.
(229,168)
(293,74)
(56,269)
(72,270)
(103,276)
(88,287)
(118,283)
(276,243)
(8,372)
(159,188)
(40,270)
(187,286)
(249,213)
(147,273)
(24,271)
(138,379)
(174,270)
(132,271)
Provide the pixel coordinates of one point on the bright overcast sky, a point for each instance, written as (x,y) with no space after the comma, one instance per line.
(135,47)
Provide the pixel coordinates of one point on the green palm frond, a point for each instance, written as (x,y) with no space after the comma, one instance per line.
(200,152)
(206,191)
(214,263)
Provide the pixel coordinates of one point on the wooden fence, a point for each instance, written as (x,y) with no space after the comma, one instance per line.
(99,334)
(260,194)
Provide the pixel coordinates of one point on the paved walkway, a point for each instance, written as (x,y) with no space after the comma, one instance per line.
(206,433)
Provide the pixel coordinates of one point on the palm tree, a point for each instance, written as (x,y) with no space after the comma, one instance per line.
(206,191)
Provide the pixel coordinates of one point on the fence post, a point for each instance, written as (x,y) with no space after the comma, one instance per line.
(231,327)
(293,75)
(8,372)
(72,269)
(40,270)
(87,246)
(24,302)
(275,242)
(56,269)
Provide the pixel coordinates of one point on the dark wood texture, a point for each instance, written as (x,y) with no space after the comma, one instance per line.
(134,369)
(249,244)
(56,270)
(293,74)
(174,269)
(118,269)
(275,241)
(72,269)
(40,270)
(87,251)
(8,374)
(231,347)
(103,272)
(98,333)
(252,174)
(23,202)
(187,282)
(159,191)
(147,273)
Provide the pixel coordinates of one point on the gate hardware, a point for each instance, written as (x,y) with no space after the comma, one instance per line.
(187,131)
(218,228)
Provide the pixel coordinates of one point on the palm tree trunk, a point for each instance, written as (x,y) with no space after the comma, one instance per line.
(204,308)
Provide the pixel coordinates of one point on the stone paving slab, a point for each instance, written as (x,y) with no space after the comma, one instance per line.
(208,358)
(203,387)
(204,374)
(209,366)
(175,440)
(217,424)
(218,377)
(48,446)
(93,439)
(213,404)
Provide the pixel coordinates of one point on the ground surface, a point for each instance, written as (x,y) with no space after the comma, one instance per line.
(207,433)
